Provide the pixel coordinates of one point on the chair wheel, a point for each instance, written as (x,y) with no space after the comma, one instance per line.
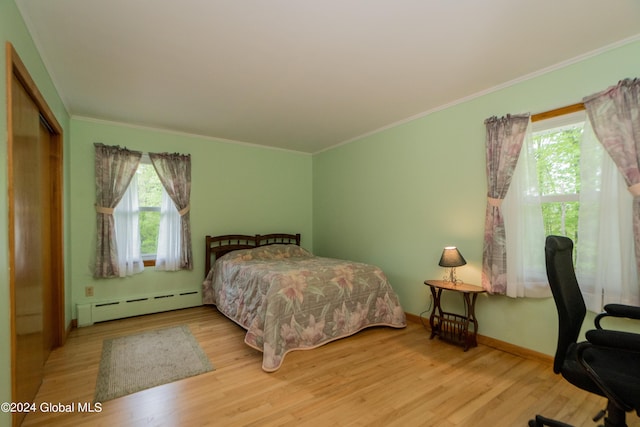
(599,415)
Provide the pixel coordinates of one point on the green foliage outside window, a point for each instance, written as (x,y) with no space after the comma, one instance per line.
(557,153)
(561,218)
(149,199)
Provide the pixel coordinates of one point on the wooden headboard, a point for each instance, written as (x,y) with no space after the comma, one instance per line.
(218,246)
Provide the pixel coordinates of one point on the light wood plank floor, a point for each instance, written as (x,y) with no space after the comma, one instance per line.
(380,377)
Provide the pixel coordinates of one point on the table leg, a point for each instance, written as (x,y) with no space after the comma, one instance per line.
(435,328)
(471,337)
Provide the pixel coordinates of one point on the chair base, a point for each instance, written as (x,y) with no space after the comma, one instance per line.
(615,417)
(541,421)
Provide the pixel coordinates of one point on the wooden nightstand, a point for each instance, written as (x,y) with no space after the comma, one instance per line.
(450,326)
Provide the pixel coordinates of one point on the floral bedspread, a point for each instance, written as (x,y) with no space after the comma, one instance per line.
(288,299)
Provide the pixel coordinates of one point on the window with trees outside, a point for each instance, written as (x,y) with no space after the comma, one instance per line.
(556,148)
(565,183)
(149,199)
(543,199)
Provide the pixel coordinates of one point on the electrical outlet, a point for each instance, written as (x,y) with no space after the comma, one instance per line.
(88,291)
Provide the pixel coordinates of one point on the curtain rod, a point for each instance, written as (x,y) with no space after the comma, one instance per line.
(557,112)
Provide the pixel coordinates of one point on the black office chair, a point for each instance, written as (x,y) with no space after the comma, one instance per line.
(608,363)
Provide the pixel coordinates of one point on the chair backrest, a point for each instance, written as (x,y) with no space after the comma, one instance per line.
(566,293)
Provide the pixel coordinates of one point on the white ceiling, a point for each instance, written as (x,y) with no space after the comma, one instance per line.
(303,74)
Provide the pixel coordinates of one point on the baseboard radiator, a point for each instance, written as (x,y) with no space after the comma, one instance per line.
(90,313)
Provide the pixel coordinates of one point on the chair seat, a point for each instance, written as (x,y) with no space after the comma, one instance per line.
(623,382)
(606,363)
(573,372)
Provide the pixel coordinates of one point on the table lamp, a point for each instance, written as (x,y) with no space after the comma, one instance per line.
(451,258)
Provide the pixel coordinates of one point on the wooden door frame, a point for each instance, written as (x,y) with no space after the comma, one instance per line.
(15,67)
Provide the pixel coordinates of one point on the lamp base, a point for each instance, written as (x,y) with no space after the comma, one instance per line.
(452,277)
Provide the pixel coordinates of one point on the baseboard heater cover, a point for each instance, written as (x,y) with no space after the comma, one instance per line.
(90,313)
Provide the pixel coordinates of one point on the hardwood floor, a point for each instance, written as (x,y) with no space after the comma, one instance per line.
(380,376)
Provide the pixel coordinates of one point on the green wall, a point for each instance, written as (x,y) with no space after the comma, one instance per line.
(235,189)
(397,197)
(13,30)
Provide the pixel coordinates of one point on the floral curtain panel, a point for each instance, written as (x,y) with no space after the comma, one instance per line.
(504,140)
(615,117)
(115,168)
(174,171)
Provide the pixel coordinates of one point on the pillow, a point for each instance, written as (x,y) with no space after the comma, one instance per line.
(269,252)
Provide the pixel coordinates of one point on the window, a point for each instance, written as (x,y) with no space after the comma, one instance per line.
(166,219)
(556,149)
(543,199)
(565,183)
(149,199)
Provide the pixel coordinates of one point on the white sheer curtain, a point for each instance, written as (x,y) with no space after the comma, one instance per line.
(605,259)
(524,229)
(125,217)
(169,245)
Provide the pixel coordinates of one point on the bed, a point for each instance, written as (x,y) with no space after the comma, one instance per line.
(289,299)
